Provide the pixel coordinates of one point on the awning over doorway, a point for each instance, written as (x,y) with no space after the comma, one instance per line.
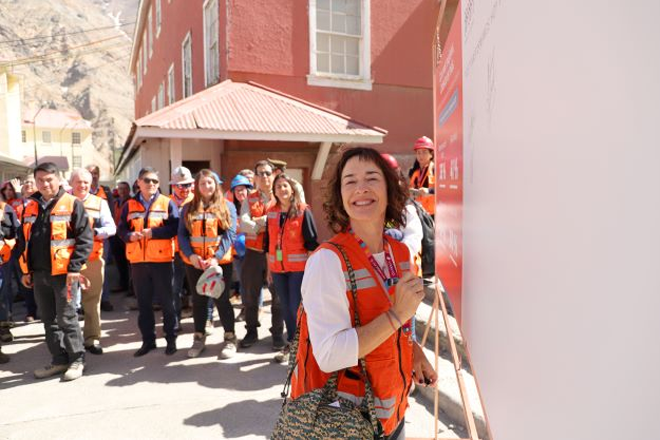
(248,111)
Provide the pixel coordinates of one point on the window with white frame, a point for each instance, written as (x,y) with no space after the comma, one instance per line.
(150,33)
(171,89)
(158,18)
(77,161)
(153,104)
(45,137)
(340,43)
(75,138)
(186,66)
(211,45)
(23,136)
(161,95)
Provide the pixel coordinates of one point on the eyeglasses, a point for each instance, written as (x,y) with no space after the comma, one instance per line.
(184,185)
(265,173)
(149,181)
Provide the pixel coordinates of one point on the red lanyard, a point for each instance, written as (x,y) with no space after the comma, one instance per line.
(391,268)
(421,178)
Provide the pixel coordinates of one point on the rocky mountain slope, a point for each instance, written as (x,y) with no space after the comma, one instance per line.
(74,54)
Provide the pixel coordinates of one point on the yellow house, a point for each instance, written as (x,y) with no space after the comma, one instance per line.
(63,137)
(11,154)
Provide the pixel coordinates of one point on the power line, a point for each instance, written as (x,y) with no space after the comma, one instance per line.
(64,34)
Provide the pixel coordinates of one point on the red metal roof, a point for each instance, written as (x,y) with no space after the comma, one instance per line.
(253,108)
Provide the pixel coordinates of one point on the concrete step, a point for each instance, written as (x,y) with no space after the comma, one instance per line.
(449,396)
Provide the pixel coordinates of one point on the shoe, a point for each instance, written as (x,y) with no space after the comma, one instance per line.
(107,306)
(171,348)
(75,370)
(95,348)
(278,343)
(229,347)
(4,358)
(199,344)
(146,348)
(249,340)
(5,335)
(241,316)
(50,370)
(283,356)
(29,319)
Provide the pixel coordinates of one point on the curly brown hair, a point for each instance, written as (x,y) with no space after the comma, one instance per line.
(333,206)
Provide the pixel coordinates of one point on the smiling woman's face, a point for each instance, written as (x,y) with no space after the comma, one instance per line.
(363,190)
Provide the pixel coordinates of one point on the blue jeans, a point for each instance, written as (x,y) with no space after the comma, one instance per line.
(287,285)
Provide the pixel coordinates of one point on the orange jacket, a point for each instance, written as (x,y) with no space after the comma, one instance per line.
(257,209)
(61,247)
(425,180)
(93,208)
(289,241)
(148,250)
(6,244)
(179,206)
(204,238)
(17,204)
(389,366)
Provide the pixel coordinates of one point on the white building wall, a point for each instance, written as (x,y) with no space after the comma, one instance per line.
(562,216)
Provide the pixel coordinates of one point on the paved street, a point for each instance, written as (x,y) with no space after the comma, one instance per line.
(155,396)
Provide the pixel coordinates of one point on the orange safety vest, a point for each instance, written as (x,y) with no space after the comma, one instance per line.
(61,246)
(257,209)
(6,244)
(100,192)
(176,203)
(426,180)
(148,250)
(288,240)
(17,204)
(93,207)
(204,238)
(389,366)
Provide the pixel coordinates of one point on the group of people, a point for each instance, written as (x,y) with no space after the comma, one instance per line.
(258,230)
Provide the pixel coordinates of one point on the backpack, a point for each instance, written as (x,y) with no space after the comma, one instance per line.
(428,241)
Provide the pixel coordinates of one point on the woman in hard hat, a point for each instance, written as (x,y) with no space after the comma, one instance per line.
(422,175)
(290,237)
(206,233)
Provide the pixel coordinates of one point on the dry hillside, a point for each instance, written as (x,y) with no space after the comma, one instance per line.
(73,54)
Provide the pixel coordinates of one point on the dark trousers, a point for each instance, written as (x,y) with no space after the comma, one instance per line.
(11,283)
(253,278)
(287,286)
(178,278)
(58,313)
(200,302)
(118,248)
(154,280)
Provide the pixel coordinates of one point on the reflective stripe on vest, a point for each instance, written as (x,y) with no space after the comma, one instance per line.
(427,201)
(257,209)
(389,365)
(93,208)
(205,239)
(61,245)
(290,238)
(148,250)
(180,208)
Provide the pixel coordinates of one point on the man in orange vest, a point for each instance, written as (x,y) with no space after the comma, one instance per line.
(103,226)
(103,192)
(182,184)
(253,274)
(54,242)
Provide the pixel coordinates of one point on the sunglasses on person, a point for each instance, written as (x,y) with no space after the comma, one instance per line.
(149,181)
(184,185)
(265,173)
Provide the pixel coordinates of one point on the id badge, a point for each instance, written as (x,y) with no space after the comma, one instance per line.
(278,255)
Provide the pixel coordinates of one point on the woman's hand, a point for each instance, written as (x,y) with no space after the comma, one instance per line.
(407,296)
(135,236)
(196,261)
(423,372)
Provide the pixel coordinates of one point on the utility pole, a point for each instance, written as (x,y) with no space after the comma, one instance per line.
(34,135)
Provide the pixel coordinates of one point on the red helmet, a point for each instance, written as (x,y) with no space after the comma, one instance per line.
(391,161)
(424,143)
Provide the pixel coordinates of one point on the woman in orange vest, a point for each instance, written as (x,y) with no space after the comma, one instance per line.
(422,175)
(364,194)
(206,232)
(148,224)
(290,236)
